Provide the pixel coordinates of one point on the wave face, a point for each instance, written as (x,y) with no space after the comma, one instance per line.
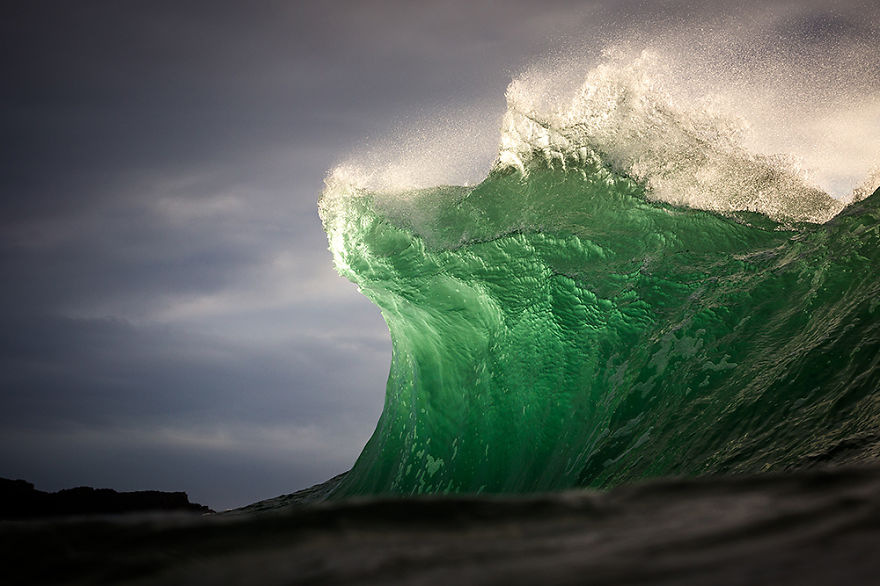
(576,320)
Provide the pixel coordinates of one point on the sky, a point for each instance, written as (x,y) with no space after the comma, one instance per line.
(170,317)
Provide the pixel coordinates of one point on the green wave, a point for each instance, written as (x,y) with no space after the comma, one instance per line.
(559,329)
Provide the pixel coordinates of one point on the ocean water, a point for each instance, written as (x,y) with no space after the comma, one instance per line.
(629,293)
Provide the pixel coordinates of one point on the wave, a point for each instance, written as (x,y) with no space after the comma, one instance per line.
(629,293)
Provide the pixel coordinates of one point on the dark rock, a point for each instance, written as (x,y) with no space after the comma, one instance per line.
(20,500)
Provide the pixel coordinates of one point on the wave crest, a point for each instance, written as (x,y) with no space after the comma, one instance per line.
(684,154)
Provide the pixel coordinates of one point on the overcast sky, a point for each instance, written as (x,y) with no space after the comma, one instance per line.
(169,315)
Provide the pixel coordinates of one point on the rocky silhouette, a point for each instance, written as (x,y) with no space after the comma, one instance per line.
(20,500)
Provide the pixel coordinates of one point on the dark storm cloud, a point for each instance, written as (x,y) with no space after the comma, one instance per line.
(169,316)
(144,374)
(111,92)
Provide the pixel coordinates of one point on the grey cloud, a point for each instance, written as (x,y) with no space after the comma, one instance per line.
(81,372)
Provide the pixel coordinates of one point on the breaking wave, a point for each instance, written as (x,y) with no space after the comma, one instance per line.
(630,292)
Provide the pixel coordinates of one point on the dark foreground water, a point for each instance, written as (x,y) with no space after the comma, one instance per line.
(804,528)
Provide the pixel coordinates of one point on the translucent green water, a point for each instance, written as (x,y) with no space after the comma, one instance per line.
(562,330)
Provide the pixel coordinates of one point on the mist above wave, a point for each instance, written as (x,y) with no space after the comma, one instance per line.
(637,115)
(689,154)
